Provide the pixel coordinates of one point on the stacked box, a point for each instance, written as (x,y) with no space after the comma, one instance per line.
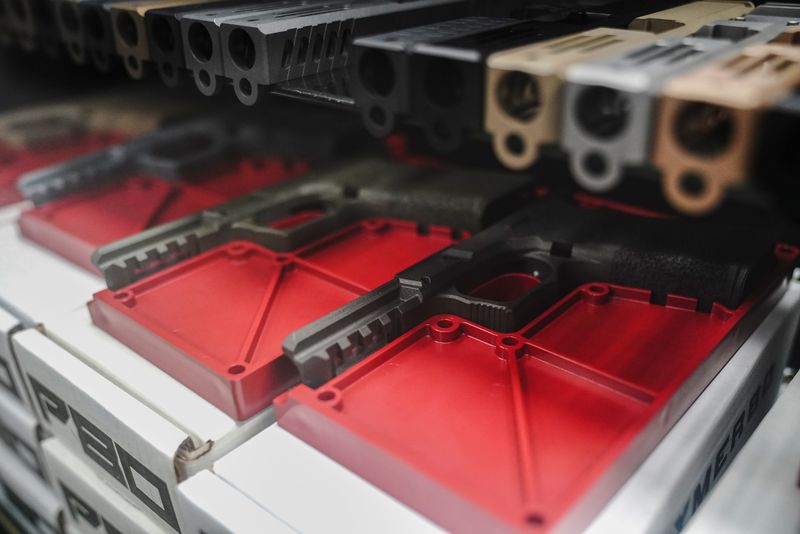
(213,505)
(21,433)
(31,286)
(760,489)
(300,479)
(89,504)
(30,500)
(141,431)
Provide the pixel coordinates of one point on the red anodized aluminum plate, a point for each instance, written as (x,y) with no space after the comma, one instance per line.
(15,161)
(217,322)
(74,226)
(488,432)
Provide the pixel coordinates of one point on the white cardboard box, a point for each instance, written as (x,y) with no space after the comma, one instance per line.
(761,490)
(310,492)
(22,518)
(161,426)
(10,378)
(214,506)
(142,431)
(42,509)
(669,486)
(90,505)
(21,433)
(35,286)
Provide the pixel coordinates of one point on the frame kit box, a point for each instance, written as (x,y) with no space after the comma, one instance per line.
(761,489)
(303,479)
(35,286)
(140,430)
(29,495)
(91,506)
(213,505)
(22,434)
